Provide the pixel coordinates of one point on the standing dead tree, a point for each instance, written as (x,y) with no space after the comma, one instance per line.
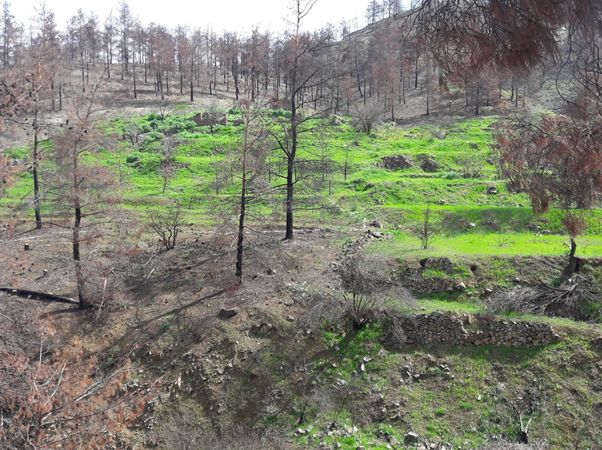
(366,116)
(168,165)
(253,151)
(358,288)
(426,233)
(81,187)
(310,68)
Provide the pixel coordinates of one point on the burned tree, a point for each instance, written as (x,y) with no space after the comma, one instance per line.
(253,153)
(557,161)
(310,68)
(167,225)
(81,187)
(168,166)
(31,92)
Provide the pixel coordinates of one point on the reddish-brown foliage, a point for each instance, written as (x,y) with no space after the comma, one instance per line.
(556,160)
(62,400)
(517,35)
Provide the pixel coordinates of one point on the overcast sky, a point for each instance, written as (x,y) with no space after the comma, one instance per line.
(232,15)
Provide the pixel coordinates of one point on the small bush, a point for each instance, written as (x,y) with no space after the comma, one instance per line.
(166,225)
(359,286)
(472,165)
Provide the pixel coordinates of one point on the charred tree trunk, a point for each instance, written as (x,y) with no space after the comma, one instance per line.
(79,278)
(240,249)
(290,172)
(290,193)
(573,263)
(34,170)
(135,85)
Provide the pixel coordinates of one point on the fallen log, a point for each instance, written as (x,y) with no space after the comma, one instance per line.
(25,293)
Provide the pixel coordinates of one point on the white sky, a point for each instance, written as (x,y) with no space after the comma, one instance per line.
(231,15)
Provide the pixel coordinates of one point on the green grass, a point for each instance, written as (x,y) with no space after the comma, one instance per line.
(488,244)
(466,220)
(465,402)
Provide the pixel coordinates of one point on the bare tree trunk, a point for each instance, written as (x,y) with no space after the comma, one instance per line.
(135,86)
(571,267)
(83,74)
(290,173)
(243,206)
(192,80)
(36,179)
(79,278)
(290,193)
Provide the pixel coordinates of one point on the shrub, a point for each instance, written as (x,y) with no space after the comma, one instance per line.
(472,165)
(359,287)
(167,225)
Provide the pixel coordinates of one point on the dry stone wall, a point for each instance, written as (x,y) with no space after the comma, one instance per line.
(466,329)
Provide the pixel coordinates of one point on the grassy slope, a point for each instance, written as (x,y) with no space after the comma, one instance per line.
(466,219)
(457,395)
(464,410)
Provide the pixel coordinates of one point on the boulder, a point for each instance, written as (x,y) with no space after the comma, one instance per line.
(411,438)
(428,164)
(226,314)
(492,190)
(443,263)
(397,162)
(208,120)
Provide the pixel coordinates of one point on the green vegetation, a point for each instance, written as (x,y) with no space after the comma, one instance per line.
(351,182)
(458,396)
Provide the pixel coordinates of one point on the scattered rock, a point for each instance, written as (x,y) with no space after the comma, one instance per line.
(226,314)
(411,438)
(263,330)
(301,432)
(597,343)
(397,162)
(207,120)
(444,264)
(376,234)
(428,164)
(271,272)
(452,329)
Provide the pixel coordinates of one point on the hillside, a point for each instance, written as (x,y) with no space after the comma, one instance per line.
(302,239)
(184,357)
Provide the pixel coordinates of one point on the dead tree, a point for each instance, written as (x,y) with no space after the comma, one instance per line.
(81,187)
(309,68)
(555,160)
(168,161)
(253,156)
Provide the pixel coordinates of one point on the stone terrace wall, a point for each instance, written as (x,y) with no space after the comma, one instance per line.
(447,328)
